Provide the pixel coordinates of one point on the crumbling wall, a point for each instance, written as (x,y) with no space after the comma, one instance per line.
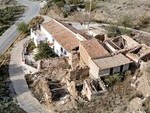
(93,88)
(54,62)
(71,86)
(42,92)
(74,59)
(79,73)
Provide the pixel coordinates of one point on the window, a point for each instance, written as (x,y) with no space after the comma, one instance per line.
(65,52)
(53,40)
(61,49)
(46,39)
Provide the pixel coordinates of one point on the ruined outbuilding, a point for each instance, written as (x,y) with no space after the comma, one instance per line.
(120,44)
(92,88)
(139,54)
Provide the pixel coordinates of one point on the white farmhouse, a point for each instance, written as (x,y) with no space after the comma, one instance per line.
(62,37)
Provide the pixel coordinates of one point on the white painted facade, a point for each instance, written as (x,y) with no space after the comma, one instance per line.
(37,38)
(47,37)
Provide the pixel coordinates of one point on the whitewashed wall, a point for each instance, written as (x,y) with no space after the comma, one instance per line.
(57,46)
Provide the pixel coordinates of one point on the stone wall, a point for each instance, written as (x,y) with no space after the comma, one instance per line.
(79,73)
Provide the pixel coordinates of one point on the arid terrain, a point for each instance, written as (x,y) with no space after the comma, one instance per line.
(127,95)
(106,11)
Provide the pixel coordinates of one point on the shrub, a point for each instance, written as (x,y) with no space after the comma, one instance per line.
(22,27)
(30,47)
(80,105)
(113,31)
(112,79)
(59,3)
(44,52)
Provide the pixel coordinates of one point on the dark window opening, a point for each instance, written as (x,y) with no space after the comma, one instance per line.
(121,69)
(53,40)
(111,71)
(79,87)
(65,52)
(61,49)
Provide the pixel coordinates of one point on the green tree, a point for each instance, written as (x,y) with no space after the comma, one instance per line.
(22,27)
(113,79)
(44,52)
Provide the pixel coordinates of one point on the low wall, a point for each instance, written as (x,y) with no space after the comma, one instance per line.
(79,73)
(24,53)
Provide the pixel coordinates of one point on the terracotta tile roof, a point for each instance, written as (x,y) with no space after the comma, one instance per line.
(64,34)
(113,61)
(95,49)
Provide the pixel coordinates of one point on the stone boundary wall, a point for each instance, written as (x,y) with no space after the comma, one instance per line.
(78,73)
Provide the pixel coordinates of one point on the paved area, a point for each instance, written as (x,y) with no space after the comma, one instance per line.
(24,97)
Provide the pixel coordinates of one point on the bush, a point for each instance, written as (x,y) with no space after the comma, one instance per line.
(22,27)
(112,79)
(80,105)
(30,47)
(113,31)
(60,4)
(44,52)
